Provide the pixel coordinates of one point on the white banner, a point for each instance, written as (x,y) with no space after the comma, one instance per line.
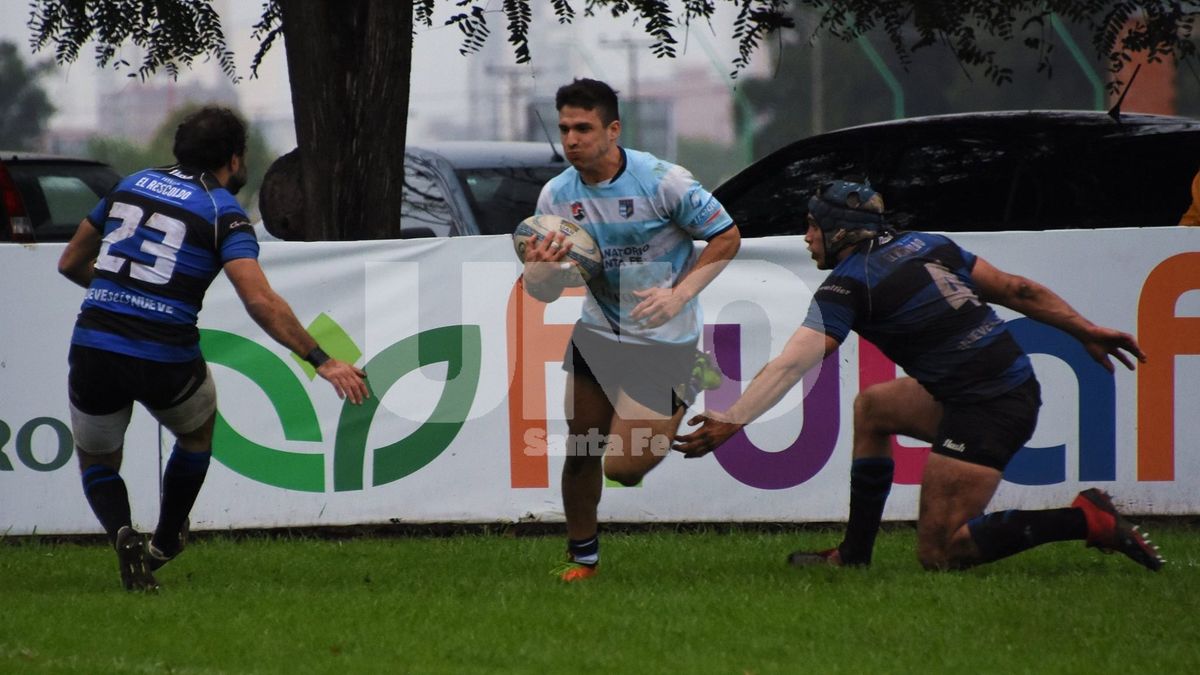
(468,425)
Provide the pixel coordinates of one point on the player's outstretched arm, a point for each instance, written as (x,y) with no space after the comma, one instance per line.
(804,350)
(275,316)
(1042,304)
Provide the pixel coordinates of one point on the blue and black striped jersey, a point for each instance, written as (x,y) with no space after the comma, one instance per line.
(913,297)
(166,234)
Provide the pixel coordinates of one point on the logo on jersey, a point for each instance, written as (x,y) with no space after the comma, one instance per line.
(577,210)
(625,208)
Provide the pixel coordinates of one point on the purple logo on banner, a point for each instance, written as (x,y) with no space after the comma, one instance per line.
(813,447)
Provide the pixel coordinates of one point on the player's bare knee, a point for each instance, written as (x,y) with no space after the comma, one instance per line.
(623,475)
(867,411)
(934,558)
(933,550)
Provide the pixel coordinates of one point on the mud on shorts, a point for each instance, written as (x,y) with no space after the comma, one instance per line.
(990,432)
(653,374)
(103,386)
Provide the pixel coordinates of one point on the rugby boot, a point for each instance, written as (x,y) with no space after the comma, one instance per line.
(131,560)
(1109,531)
(832,557)
(574,571)
(705,376)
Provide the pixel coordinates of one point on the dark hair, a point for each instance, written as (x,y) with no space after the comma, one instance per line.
(589,95)
(209,137)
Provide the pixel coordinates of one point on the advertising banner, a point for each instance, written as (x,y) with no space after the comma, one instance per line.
(467,421)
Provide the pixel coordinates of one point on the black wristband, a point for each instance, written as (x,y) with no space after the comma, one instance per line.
(317,357)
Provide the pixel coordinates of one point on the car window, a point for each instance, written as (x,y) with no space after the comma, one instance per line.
(502,197)
(1119,182)
(424,200)
(58,196)
(954,184)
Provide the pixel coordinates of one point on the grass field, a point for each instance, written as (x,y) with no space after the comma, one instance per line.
(716,601)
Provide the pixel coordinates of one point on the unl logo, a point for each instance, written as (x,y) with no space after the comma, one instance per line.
(625,208)
(577,210)
(458,346)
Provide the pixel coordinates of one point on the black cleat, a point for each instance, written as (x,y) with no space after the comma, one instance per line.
(829,557)
(1109,531)
(131,559)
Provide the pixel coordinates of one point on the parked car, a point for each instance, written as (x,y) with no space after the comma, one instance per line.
(475,187)
(43,197)
(458,188)
(1039,170)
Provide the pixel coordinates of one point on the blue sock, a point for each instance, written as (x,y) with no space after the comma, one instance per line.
(106,494)
(1003,533)
(182,480)
(585,551)
(870,485)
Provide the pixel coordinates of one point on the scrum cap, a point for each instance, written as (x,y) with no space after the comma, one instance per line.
(847,213)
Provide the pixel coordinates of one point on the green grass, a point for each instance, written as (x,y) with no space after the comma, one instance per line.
(704,602)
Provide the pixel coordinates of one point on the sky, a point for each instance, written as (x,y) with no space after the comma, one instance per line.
(439,82)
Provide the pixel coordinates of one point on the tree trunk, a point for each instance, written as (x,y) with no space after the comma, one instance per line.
(349,64)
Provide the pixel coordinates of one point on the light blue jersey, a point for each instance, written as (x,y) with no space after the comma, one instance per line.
(644,220)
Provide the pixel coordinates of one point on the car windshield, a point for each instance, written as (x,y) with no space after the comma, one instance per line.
(59,195)
(504,196)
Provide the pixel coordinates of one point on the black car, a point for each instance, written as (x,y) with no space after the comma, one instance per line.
(1038,170)
(460,188)
(43,197)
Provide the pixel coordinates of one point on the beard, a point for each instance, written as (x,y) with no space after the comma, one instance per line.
(236,181)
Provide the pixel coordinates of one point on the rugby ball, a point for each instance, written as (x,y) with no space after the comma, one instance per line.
(584,253)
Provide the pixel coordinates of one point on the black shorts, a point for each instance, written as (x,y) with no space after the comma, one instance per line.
(103,382)
(654,375)
(990,432)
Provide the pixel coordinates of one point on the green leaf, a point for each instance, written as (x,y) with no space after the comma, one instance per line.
(290,470)
(461,348)
(333,339)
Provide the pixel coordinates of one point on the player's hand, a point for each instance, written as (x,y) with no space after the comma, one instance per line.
(714,430)
(657,306)
(1101,343)
(544,259)
(548,249)
(348,381)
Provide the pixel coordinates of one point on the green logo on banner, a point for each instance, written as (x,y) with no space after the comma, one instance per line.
(459,347)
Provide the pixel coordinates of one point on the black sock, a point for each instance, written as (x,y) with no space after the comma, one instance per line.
(870,484)
(1003,533)
(106,493)
(585,551)
(182,479)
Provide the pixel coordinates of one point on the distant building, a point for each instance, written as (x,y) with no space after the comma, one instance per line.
(701,104)
(135,110)
(72,142)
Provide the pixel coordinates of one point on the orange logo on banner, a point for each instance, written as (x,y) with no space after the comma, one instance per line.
(1163,336)
(531,345)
